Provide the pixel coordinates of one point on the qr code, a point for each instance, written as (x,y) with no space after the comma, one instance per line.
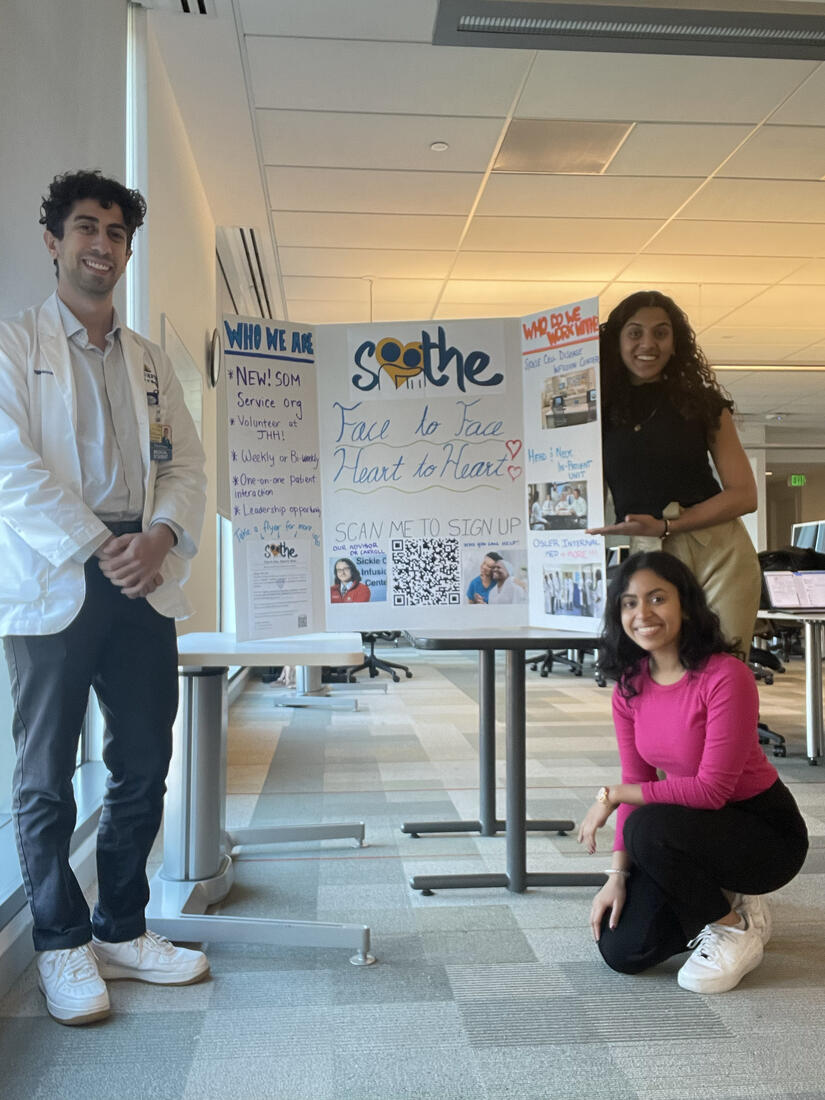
(425,572)
(302,620)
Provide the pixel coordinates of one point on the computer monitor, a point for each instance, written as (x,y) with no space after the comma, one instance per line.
(809,536)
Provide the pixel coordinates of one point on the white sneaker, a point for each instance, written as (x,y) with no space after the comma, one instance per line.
(721,958)
(70,982)
(756,911)
(150,958)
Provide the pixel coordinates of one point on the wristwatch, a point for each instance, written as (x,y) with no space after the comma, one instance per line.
(603,796)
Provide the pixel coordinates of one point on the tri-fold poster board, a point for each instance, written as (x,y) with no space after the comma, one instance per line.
(406,475)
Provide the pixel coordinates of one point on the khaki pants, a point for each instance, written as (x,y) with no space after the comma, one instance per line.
(724,562)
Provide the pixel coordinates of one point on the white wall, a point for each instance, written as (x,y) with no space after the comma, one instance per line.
(180,237)
(63,97)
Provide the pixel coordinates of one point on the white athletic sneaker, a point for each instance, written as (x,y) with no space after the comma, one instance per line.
(756,911)
(70,982)
(150,958)
(722,956)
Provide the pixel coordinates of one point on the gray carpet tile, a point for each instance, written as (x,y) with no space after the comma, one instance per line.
(478,994)
(373,985)
(375,1029)
(558,1071)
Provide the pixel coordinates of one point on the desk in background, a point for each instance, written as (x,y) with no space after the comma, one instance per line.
(514,643)
(197,851)
(812,622)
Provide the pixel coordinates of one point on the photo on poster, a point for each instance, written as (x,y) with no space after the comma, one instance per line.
(360,576)
(494,576)
(569,399)
(574,589)
(557,506)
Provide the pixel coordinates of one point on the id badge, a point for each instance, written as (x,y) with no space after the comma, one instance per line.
(160,442)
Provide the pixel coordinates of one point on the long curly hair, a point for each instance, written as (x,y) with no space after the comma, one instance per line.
(688,379)
(700,635)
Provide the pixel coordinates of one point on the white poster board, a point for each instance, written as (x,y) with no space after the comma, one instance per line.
(274,477)
(437,474)
(423,470)
(562,436)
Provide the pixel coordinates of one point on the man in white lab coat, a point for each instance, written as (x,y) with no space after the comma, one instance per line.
(101,506)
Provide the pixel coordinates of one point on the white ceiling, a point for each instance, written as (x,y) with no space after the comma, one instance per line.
(312,120)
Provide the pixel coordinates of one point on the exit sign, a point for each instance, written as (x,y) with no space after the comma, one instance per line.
(796,481)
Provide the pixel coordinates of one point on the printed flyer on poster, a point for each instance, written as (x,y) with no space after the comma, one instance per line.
(562,439)
(274,472)
(423,472)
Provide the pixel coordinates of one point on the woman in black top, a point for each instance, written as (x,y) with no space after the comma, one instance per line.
(664,415)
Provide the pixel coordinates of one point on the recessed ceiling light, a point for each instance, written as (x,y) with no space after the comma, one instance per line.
(439,146)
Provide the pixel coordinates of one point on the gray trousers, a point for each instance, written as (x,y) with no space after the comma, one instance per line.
(128,653)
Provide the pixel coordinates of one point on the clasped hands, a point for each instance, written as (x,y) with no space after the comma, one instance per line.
(132,562)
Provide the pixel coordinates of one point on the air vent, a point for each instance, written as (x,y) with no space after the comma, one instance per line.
(559,146)
(182,7)
(711,31)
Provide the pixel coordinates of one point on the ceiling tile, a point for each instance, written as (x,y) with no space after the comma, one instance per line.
(797,308)
(401,290)
(409,231)
(543,266)
(675,149)
(806,107)
(398,20)
(812,273)
(657,88)
(744,350)
(739,238)
(587,234)
(353,191)
(328,313)
(759,200)
(578,196)
(313,74)
(652,269)
(403,311)
(327,290)
(527,296)
(363,262)
(782,153)
(456,311)
(341,140)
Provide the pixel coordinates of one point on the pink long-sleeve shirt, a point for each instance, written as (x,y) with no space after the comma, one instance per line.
(701,732)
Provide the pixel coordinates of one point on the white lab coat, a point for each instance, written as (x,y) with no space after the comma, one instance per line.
(43,520)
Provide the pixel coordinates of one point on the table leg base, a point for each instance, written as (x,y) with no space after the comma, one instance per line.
(283,834)
(177,910)
(427,884)
(414,828)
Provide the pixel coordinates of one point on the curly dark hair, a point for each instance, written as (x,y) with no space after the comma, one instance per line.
(66,190)
(700,635)
(353,569)
(688,379)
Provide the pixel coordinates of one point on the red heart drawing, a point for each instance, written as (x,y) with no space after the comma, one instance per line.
(513,446)
(514,472)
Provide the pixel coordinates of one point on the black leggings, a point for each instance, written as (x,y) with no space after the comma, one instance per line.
(682,859)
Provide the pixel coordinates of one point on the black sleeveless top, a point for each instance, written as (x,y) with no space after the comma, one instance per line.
(658,457)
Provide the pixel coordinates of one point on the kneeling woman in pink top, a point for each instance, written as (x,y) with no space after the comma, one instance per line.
(694,850)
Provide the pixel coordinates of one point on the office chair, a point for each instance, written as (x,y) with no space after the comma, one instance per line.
(377,664)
